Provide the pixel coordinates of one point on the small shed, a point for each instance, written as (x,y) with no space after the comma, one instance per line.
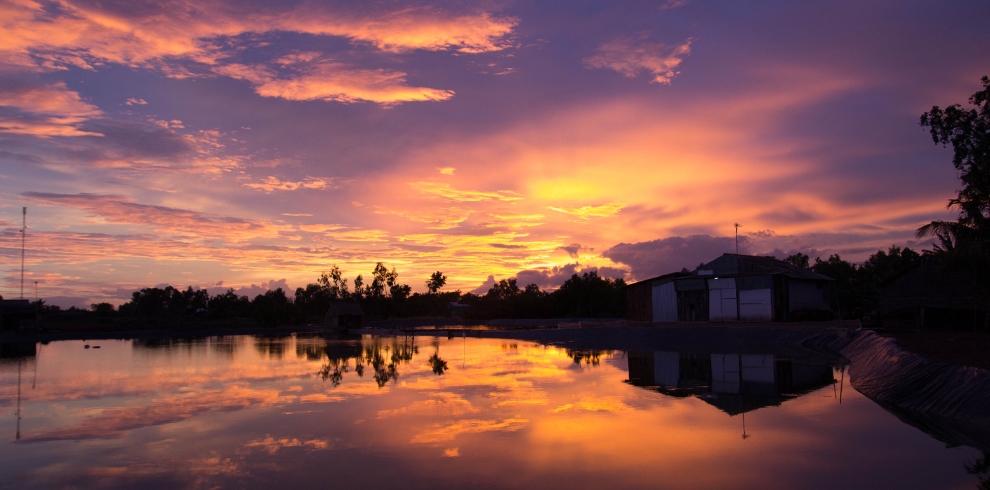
(343,315)
(731,288)
(931,295)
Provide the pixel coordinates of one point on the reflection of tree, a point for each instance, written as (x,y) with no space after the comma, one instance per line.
(384,359)
(272,347)
(438,365)
(333,370)
(981,468)
(591,357)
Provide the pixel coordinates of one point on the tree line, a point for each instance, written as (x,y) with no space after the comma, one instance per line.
(382,296)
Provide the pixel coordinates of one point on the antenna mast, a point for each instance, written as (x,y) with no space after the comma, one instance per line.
(737,238)
(24,212)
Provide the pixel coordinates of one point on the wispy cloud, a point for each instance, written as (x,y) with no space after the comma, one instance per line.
(271,184)
(121,209)
(44,110)
(175,37)
(585,212)
(331,81)
(446,191)
(630,57)
(451,431)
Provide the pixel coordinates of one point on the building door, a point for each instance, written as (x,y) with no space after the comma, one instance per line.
(664,303)
(755,305)
(722,301)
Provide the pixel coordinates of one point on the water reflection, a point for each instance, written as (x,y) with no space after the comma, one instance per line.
(255,412)
(734,383)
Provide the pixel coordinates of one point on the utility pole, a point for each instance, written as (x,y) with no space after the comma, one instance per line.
(737,238)
(24,212)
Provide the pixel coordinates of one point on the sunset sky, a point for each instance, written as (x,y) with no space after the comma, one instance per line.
(253,145)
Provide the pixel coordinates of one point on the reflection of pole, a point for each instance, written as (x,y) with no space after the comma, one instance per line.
(745,435)
(37,357)
(17,436)
(842,383)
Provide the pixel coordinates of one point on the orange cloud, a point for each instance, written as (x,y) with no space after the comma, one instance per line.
(451,431)
(46,111)
(446,191)
(114,422)
(174,32)
(585,212)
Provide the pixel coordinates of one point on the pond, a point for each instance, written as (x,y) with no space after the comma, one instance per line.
(436,412)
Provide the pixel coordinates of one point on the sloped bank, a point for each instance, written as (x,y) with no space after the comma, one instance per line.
(949,402)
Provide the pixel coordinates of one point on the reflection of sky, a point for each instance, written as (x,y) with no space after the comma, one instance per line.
(251,412)
(161,141)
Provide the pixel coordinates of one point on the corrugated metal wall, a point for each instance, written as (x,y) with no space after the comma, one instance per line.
(664,303)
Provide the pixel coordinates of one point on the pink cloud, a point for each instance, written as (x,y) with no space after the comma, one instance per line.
(630,57)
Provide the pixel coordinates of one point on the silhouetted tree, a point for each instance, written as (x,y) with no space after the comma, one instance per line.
(437,281)
(272,308)
(969,133)
(799,260)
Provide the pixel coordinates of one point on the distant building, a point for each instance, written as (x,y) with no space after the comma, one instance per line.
(930,296)
(732,288)
(343,315)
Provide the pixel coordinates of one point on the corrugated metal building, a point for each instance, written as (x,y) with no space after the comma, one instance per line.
(731,288)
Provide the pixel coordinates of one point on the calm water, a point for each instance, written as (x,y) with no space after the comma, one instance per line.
(252,412)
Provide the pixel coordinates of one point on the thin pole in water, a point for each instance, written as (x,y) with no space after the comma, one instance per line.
(17,435)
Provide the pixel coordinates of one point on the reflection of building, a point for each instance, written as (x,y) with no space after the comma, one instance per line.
(17,314)
(735,383)
(17,351)
(731,288)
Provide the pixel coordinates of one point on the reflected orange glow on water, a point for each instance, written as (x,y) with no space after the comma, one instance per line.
(253,412)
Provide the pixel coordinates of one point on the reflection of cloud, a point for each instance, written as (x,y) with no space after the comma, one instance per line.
(452,452)
(114,422)
(585,212)
(443,404)
(133,101)
(612,404)
(445,191)
(630,57)
(450,432)
(321,398)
